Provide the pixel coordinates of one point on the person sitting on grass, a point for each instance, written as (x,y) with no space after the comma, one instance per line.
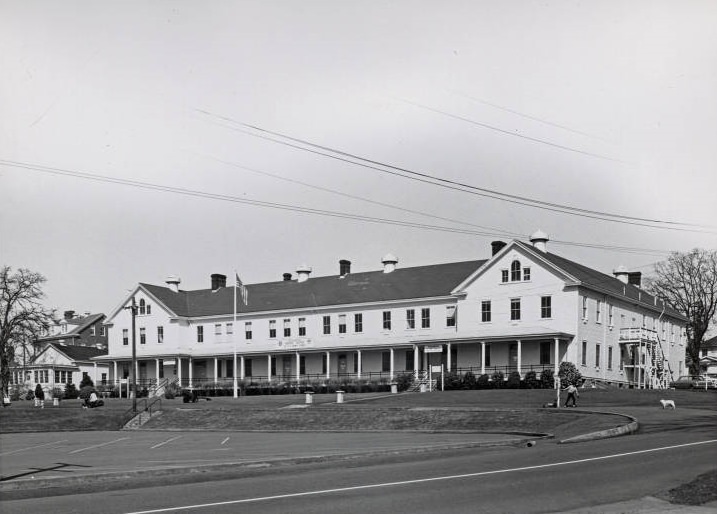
(94,401)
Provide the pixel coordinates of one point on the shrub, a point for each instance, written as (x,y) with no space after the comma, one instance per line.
(483,382)
(16,394)
(86,391)
(86,382)
(404,381)
(497,380)
(29,395)
(451,381)
(469,380)
(569,374)
(547,379)
(513,380)
(531,380)
(70,392)
(57,392)
(171,391)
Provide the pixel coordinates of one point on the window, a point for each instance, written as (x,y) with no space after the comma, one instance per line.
(247,331)
(644,321)
(142,307)
(622,358)
(409,360)
(609,357)
(598,312)
(526,274)
(597,355)
(248,371)
(356,364)
(327,324)
(545,352)
(302,365)
(515,309)
(125,336)
(385,362)
(358,323)
(585,308)
(504,275)
(272,328)
(410,319)
(342,323)
(200,334)
(273,365)
(57,377)
(485,311)
(103,331)
(546,307)
(287,327)
(426,318)
(487,355)
(610,314)
(584,356)
(230,328)
(387,320)
(324,363)
(149,309)
(217,329)
(93,330)
(160,335)
(450,315)
(302,326)
(515,271)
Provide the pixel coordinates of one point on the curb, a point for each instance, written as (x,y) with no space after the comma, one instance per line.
(630,428)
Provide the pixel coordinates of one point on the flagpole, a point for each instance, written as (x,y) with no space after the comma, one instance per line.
(234,337)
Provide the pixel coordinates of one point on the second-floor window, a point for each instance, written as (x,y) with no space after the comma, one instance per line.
(610,314)
(358,323)
(342,323)
(103,331)
(515,271)
(598,312)
(327,324)
(247,330)
(287,328)
(160,335)
(200,334)
(585,308)
(125,336)
(485,311)
(410,319)
(387,320)
(230,328)
(426,318)
(217,329)
(272,328)
(142,307)
(450,315)
(93,330)
(546,307)
(302,326)
(515,309)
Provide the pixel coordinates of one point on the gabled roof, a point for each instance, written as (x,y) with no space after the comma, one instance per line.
(431,281)
(75,353)
(710,343)
(78,326)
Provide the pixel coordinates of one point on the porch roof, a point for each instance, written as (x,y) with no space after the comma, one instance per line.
(502,338)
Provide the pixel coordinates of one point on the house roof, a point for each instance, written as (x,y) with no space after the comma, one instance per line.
(374,286)
(710,343)
(78,325)
(75,353)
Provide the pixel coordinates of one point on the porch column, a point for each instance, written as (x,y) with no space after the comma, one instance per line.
(178,366)
(216,370)
(358,365)
(328,365)
(392,368)
(136,371)
(448,357)
(115,378)
(556,343)
(268,368)
(415,361)
(482,357)
(191,372)
(242,372)
(520,357)
(94,372)
(298,367)
(156,369)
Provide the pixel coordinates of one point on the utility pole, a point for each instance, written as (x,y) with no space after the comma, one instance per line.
(133,375)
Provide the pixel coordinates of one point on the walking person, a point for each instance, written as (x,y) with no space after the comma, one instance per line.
(572,396)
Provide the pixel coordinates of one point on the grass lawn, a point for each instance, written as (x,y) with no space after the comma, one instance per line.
(23,416)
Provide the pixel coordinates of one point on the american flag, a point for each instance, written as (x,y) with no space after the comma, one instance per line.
(244,292)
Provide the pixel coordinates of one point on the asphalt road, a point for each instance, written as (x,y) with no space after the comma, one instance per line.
(545,478)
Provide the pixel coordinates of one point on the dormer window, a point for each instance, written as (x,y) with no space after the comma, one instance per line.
(515,271)
(142,307)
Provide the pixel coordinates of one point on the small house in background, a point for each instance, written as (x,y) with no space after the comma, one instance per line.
(57,365)
(708,358)
(75,330)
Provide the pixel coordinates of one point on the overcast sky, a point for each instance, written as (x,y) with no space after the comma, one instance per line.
(606,106)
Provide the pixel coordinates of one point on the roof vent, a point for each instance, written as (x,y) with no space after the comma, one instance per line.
(621,274)
(218,280)
(344,267)
(287,277)
(497,246)
(389,262)
(303,273)
(540,241)
(173,282)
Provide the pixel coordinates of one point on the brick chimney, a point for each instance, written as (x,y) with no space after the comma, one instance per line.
(635,278)
(69,314)
(287,277)
(218,280)
(497,246)
(344,267)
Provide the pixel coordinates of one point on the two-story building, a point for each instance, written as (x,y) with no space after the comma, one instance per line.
(522,309)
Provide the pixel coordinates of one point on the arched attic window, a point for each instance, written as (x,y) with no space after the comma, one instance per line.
(515,271)
(142,306)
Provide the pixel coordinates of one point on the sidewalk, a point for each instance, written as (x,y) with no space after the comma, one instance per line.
(647,505)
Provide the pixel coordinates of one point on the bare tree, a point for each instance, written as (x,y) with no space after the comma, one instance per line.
(22,316)
(688,282)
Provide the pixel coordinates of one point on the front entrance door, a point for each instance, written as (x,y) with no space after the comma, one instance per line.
(342,364)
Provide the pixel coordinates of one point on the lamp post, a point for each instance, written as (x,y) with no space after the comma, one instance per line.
(133,375)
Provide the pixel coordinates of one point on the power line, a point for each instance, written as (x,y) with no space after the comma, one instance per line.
(288,207)
(450,184)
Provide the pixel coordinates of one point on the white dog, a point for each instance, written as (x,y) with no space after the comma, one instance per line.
(668,403)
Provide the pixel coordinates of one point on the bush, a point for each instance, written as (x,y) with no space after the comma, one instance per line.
(171,391)
(497,380)
(404,381)
(70,392)
(451,381)
(469,380)
(547,379)
(57,392)
(29,395)
(483,382)
(16,394)
(86,382)
(531,380)
(86,391)
(513,380)
(569,374)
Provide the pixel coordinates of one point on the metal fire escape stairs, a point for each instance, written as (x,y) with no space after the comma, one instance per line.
(650,367)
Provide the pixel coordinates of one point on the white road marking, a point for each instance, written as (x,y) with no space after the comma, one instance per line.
(31,448)
(417,481)
(164,442)
(224,441)
(98,445)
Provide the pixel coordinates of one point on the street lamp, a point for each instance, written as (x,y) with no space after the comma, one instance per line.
(133,375)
